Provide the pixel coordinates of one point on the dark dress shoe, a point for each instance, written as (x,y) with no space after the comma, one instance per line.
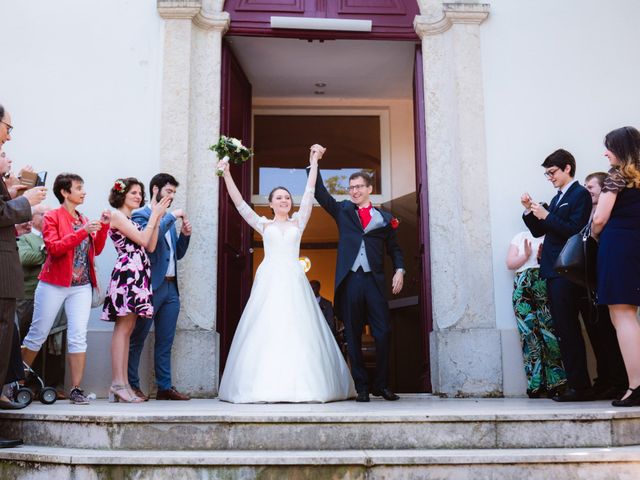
(6,443)
(362,397)
(633,400)
(140,394)
(386,394)
(9,405)
(573,395)
(602,391)
(171,394)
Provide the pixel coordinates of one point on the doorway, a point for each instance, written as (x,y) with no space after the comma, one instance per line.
(356,98)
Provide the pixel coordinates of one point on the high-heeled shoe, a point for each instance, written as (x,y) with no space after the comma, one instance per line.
(115,395)
(632,400)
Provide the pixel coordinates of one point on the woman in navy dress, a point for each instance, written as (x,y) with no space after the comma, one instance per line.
(617,222)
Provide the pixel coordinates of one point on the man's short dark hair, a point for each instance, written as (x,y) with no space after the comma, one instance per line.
(599,175)
(561,158)
(64,181)
(315,286)
(160,180)
(363,175)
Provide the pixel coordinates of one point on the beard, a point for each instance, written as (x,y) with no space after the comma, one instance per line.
(159,197)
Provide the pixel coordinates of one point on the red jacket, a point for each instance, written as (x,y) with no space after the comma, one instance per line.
(60,241)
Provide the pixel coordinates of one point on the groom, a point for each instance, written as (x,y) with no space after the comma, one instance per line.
(365,233)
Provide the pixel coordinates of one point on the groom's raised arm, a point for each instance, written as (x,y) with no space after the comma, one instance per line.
(324,198)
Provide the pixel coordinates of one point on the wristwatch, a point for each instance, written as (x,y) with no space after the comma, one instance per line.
(401,270)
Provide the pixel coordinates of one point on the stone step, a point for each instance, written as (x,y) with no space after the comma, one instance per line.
(415,422)
(37,462)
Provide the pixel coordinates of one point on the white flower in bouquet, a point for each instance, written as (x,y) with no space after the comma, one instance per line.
(230,149)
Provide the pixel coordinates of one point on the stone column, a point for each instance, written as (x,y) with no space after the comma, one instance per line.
(190,124)
(465,344)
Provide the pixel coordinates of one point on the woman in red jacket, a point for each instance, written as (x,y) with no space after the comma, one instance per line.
(67,276)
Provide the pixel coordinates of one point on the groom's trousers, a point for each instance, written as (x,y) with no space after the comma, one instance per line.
(361,303)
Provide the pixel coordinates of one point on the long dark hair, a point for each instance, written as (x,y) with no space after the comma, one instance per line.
(624,143)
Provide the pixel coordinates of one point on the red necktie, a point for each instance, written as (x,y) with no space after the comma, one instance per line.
(365,215)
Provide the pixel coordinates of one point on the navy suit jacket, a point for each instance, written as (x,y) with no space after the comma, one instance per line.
(376,241)
(160,256)
(563,221)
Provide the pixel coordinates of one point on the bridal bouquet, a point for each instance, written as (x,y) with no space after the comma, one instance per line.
(230,149)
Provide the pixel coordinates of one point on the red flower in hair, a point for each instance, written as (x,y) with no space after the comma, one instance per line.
(119,186)
(395,223)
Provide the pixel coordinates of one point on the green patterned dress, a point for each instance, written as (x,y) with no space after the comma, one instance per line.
(540,348)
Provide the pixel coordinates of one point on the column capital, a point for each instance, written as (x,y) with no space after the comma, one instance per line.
(179,9)
(218,21)
(469,13)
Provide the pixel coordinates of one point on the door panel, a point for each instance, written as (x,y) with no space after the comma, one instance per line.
(423,260)
(234,235)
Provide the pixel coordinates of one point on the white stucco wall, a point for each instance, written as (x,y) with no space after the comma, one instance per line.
(82,82)
(556,75)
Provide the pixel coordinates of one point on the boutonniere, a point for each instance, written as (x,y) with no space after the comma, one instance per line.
(395,222)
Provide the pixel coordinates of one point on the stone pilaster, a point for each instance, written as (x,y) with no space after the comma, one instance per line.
(465,344)
(190,123)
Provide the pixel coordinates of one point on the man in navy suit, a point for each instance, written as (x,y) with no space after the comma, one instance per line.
(568,213)
(365,233)
(166,297)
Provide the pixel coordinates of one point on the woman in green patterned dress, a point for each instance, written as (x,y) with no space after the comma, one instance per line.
(540,349)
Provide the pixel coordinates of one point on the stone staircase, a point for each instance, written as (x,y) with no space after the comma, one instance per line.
(418,437)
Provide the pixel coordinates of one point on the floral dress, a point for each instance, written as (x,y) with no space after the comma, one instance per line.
(130,286)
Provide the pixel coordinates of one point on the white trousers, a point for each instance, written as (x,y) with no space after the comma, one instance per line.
(48,300)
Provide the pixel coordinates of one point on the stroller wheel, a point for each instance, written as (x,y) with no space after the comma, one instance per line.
(24,396)
(47,395)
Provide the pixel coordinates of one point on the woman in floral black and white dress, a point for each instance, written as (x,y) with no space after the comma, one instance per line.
(129,293)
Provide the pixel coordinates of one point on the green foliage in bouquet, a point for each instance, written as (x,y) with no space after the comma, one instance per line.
(231,150)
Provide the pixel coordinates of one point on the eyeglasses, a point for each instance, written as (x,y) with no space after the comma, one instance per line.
(9,127)
(550,173)
(353,188)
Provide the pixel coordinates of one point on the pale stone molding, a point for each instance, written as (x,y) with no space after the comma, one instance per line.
(178,9)
(219,21)
(452,13)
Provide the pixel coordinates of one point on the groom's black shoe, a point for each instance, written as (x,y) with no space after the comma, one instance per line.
(386,394)
(362,396)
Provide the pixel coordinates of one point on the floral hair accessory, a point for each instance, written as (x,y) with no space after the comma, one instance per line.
(119,186)
(395,222)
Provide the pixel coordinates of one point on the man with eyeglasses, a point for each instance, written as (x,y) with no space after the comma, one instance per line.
(567,214)
(365,234)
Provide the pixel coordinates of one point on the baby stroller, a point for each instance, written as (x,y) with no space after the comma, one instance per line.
(25,395)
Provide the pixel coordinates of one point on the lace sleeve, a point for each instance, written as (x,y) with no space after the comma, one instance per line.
(306,207)
(252,218)
(614,182)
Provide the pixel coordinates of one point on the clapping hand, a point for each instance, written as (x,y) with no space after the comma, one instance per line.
(93,226)
(539,211)
(527,248)
(186,226)
(160,208)
(105,217)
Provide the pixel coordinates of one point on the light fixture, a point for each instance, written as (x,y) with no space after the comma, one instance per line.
(318,92)
(320,84)
(308,23)
(305,263)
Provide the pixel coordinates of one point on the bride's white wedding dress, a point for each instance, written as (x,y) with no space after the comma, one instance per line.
(283,349)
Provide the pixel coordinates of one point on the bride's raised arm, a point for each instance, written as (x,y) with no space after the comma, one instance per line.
(250,216)
(306,204)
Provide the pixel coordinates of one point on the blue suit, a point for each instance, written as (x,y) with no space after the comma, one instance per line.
(566,218)
(166,301)
(360,296)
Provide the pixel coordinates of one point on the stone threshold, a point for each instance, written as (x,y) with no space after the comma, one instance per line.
(368,458)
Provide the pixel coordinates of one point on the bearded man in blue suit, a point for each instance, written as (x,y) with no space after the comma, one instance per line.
(166,297)
(365,234)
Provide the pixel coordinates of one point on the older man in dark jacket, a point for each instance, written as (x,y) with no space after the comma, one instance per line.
(12,211)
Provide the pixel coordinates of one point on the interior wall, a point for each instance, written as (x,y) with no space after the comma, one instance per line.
(401,131)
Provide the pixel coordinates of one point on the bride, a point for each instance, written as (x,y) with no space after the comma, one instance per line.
(283,349)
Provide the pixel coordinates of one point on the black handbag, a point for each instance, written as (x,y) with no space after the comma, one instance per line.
(578,258)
